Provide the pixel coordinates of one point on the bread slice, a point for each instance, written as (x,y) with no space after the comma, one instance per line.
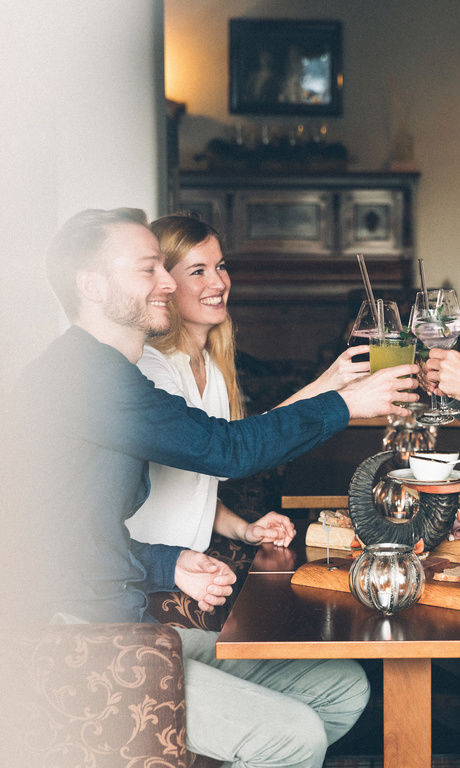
(448,574)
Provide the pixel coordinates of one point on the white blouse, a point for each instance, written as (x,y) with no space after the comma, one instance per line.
(181,507)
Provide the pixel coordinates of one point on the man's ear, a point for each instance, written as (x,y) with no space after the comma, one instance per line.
(91,285)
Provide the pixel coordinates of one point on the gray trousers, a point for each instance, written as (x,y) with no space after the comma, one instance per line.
(267,714)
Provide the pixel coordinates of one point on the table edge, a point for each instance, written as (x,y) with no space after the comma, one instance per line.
(360,649)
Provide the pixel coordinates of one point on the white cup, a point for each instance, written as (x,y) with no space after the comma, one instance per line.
(424,468)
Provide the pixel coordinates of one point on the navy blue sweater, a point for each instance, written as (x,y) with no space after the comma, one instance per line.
(85,424)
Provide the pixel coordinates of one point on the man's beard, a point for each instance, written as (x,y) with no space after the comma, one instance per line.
(130,312)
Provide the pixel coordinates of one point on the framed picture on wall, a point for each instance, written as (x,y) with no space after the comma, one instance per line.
(281,66)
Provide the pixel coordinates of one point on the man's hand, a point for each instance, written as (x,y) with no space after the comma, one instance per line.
(272,527)
(376,395)
(204,578)
(442,372)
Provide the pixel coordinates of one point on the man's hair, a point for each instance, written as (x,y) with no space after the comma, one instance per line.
(78,245)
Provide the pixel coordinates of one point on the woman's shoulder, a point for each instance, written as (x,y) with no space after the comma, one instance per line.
(151,353)
(154,364)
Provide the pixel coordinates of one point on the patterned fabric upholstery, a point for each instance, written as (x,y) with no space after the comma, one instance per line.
(93,696)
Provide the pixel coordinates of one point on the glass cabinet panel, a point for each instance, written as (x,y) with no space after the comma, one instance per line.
(291,222)
(283,221)
(371,221)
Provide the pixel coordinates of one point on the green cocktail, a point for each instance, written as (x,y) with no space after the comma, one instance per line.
(393,350)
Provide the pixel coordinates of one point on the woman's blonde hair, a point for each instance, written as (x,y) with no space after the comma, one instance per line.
(177,234)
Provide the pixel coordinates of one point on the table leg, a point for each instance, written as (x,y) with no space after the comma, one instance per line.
(407,713)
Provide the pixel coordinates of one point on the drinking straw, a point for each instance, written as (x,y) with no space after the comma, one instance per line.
(367,285)
(380,323)
(439,298)
(423,283)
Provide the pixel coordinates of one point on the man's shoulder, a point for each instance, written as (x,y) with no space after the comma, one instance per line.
(75,367)
(77,350)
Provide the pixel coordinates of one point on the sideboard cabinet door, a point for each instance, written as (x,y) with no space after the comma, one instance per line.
(371,222)
(211,205)
(291,222)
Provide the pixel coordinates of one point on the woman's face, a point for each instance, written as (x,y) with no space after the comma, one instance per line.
(203,285)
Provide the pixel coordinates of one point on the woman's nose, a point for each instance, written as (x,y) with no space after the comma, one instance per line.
(217,281)
(168,283)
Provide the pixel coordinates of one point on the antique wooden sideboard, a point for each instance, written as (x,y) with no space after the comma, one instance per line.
(291,246)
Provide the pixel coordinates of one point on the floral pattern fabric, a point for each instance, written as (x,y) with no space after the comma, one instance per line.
(93,696)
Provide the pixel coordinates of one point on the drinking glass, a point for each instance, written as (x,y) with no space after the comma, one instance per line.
(393,349)
(435,320)
(365,325)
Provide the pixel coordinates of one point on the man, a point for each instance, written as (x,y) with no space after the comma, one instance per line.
(88,423)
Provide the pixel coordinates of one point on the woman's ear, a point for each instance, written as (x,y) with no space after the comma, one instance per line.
(91,285)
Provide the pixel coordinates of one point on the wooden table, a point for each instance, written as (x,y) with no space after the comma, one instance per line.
(273,619)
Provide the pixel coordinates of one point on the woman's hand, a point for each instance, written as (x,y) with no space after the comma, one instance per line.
(442,372)
(272,527)
(343,370)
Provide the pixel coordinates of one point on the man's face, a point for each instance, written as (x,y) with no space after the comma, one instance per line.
(137,286)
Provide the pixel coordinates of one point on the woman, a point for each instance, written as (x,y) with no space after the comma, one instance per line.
(195,360)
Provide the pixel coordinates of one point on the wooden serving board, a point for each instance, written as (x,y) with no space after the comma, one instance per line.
(449,549)
(319,574)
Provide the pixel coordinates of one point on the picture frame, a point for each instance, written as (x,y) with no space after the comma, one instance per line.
(285,67)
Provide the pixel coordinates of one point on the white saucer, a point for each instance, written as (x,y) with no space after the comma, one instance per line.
(408,475)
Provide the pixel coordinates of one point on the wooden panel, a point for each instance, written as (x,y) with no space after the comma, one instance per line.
(314,502)
(407,713)
(328,468)
(297,276)
(376,421)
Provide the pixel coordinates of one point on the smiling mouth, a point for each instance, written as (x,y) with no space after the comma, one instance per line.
(158,303)
(212,301)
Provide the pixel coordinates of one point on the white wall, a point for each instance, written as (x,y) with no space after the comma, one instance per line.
(82,126)
(394,50)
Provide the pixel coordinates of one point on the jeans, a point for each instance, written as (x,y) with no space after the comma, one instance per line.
(269,713)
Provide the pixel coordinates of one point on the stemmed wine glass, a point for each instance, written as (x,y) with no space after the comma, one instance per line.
(435,320)
(365,326)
